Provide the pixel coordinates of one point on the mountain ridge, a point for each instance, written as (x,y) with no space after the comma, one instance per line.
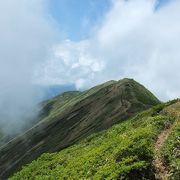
(124,151)
(68,122)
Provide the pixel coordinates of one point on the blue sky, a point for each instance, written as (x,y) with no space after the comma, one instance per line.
(112,39)
(162,3)
(133,41)
(77,17)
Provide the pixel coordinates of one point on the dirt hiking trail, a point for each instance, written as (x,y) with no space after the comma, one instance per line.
(161,168)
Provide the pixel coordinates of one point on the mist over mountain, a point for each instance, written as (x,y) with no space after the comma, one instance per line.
(26,36)
(67,110)
(72,116)
(36,48)
(54,90)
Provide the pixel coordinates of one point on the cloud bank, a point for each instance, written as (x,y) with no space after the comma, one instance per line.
(26,34)
(134,39)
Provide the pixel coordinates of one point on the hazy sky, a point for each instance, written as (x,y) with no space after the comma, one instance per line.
(112,39)
(85,43)
(77,18)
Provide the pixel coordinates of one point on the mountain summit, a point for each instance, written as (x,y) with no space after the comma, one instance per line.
(72,116)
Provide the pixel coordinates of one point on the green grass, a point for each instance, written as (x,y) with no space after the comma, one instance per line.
(73,116)
(61,104)
(171,152)
(142,94)
(65,101)
(68,104)
(57,102)
(125,151)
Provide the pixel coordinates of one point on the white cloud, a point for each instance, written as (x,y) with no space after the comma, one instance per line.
(26,33)
(71,62)
(147,44)
(133,40)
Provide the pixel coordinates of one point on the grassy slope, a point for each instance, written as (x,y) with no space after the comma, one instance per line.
(67,122)
(171,149)
(171,152)
(46,107)
(57,102)
(61,105)
(1,138)
(125,151)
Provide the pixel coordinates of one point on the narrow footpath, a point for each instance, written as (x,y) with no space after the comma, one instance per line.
(161,168)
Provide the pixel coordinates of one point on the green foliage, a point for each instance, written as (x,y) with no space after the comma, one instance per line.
(171,152)
(53,108)
(143,94)
(125,151)
(73,116)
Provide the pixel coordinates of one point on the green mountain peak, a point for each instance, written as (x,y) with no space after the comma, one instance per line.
(73,116)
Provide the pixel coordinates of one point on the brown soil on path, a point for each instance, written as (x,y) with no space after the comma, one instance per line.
(161,167)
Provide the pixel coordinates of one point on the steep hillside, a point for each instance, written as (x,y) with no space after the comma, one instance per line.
(3,138)
(125,151)
(68,121)
(45,108)
(170,150)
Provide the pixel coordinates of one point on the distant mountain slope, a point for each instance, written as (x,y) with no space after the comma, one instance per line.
(54,90)
(66,122)
(45,108)
(125,151)
(55,103)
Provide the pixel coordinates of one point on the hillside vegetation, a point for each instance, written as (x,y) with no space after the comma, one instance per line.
(73,116)
(171,152)
(171,149)
(125,151)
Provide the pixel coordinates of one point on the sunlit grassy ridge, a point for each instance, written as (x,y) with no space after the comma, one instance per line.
(67,100)
(125,151)
(73,116)
(56,106)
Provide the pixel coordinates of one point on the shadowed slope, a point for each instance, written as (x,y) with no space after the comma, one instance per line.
(68,122)
(125,151)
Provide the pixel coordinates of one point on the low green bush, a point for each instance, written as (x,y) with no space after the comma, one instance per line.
(125,151)
(171,152)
